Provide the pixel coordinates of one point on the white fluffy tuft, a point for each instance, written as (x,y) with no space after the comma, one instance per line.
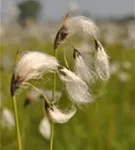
(83,70)
(101,62)
(33,64)
(77,89)
(45,128)
(82,25)
(58,116)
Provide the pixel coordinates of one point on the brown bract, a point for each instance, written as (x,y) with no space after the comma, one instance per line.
(76,53)
(60,36)
(15,83)
(96,44)
(62,33)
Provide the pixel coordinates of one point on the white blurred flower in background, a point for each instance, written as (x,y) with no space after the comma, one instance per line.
(131,32)
(45,128)
(109,32)
(7,119)
(127,65)
(123,77)
(7,63)
(114,67)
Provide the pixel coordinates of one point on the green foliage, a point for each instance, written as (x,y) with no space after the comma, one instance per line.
(28,9)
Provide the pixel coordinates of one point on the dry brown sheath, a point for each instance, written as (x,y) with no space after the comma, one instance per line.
(47,106)
(60,70)
(62,33)
(76,53)
(15,83)
(96,44)
(60,36)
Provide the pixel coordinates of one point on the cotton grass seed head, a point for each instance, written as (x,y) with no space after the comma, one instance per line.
(79,25)
(77,89)
(82,69)
(58,116)
(32,65)
(101,61)
(82,25)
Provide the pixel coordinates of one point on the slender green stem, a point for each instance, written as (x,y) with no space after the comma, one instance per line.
(54,78)
(52,136)
(39,91)
(47,80)
(65,59)
(52,124)
(17,124)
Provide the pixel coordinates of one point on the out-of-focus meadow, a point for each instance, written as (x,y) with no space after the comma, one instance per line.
(106,124)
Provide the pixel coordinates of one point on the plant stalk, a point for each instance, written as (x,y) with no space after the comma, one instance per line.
(17,124)
(39,91)
(52,124)
(52,136)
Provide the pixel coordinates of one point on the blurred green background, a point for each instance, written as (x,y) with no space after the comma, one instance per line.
(106,124)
